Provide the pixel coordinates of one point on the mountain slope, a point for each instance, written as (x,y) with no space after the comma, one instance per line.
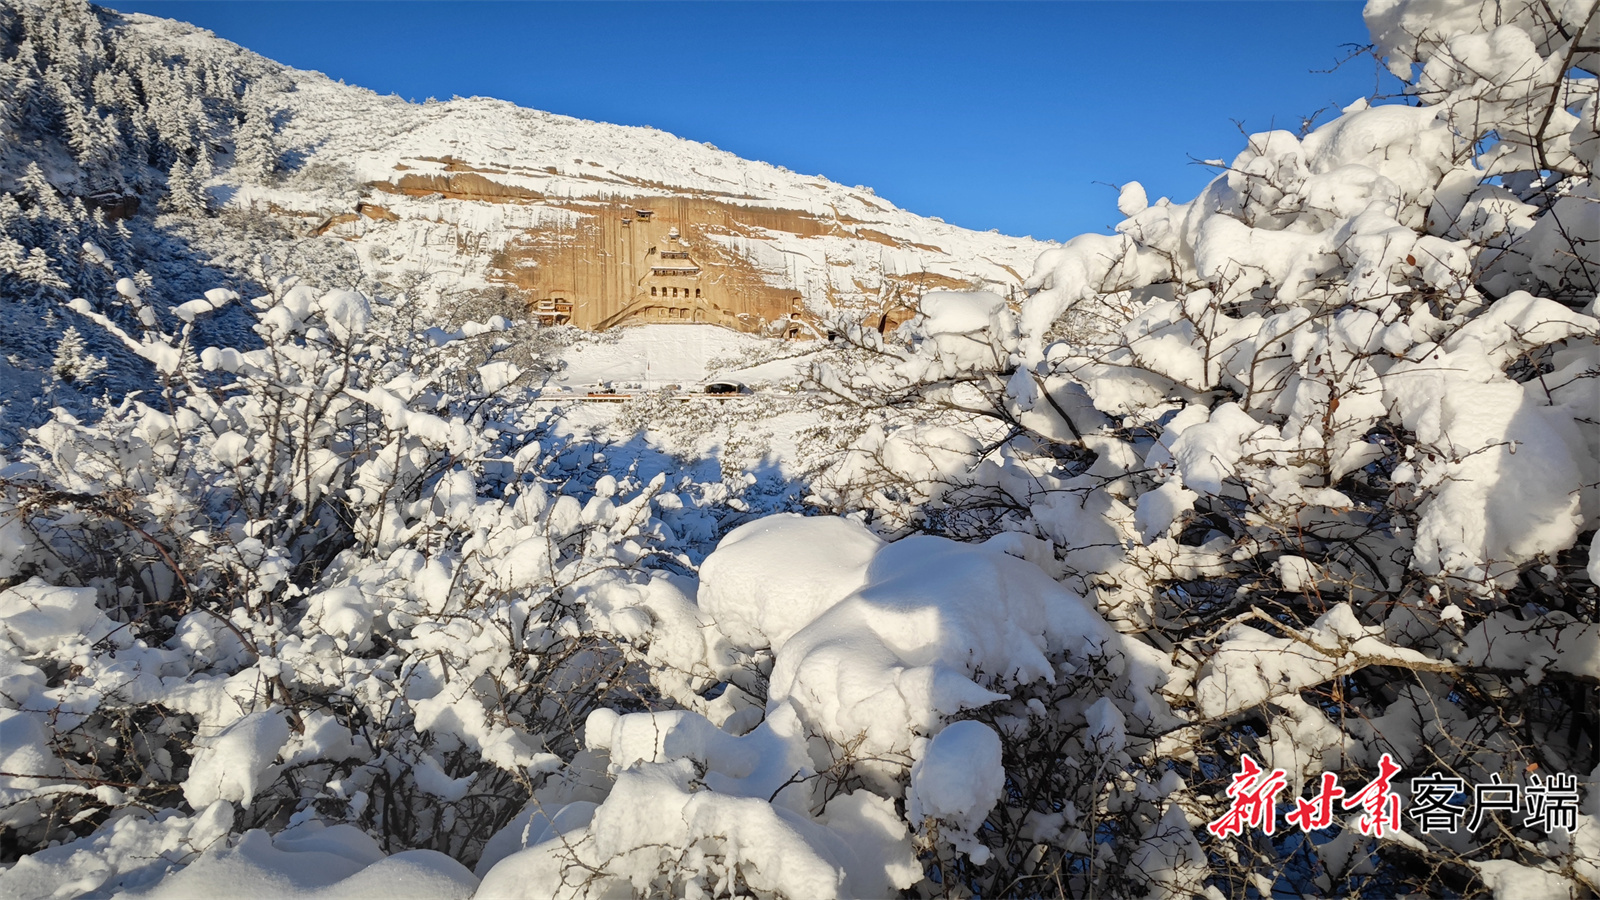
(143,148)
(477,192)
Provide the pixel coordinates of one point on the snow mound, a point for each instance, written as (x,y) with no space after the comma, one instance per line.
(772,577)
(958,778)
(315,863)
(233,763)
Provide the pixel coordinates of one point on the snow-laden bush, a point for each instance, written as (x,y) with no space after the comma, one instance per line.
(863,651)
(1326,437)
(331,578)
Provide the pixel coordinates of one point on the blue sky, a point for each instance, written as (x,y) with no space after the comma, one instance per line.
(989,115)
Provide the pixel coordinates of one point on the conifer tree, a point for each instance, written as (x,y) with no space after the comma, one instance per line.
(46,206)
(255,150)
(183,189)
(74,364)
(38,269)
(12,256)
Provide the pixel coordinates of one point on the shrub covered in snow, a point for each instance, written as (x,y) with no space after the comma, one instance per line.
(334,577)
(1326,438)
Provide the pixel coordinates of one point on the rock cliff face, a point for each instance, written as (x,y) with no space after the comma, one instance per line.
(599,225)
(699,259)
(654,259)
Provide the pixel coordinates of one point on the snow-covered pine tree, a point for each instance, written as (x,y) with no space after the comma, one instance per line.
(18,103)
(12,256)
(74,364)
(11,215)
(184,193)
(38,270)
(46,210)
(203,170)
(255,147)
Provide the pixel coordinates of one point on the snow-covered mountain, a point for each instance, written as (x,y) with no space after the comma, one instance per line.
(476,192)
(487,191)
(142,147)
